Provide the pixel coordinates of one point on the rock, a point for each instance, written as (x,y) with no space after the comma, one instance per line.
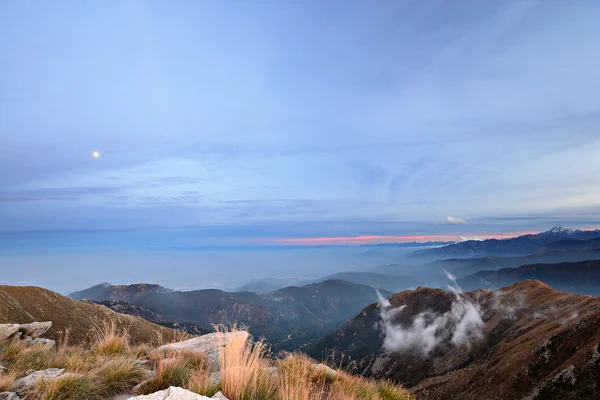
(219,396)
(324,369)
(215,377)
(42,341)
(2,368)
(9,396)
(33,329)
(172,393)
(29,381)
(208,344)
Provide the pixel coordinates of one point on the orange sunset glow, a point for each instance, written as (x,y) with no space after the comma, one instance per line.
(376,239)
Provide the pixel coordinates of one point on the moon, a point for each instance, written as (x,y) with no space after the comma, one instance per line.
(96,154)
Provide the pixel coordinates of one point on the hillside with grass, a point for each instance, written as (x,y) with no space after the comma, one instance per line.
(111,367)
(25,304)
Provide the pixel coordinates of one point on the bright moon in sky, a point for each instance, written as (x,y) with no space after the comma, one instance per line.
(95,154)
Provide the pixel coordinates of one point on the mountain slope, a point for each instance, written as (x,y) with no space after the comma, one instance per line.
(518,246)
(375,280)
(288,318)
(534,341)
(579,277)
(258,287)
(462,267)
(107,292)
(24,304)
(142,312)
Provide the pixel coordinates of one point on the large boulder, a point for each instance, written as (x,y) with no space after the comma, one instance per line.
(29,381)
(208,344)
(219,396)
(34,329)
(9,396)
(172,393)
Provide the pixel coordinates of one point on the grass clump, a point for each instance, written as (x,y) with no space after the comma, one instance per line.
(174,369)
(243,370)
(6,380)
(110,341)
(389,391)
(118,376)
(201,382)
(23,358)
(70,387)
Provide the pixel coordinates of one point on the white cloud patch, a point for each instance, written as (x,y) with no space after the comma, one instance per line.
(461,325)
(455,221)
(467,238)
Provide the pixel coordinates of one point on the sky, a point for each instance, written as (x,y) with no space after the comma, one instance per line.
(227,125)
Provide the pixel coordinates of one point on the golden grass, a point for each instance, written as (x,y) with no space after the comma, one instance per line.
(7,379)
(202,383)
(110,341)
(349,387)
(241,364)
(118,376)
(247,371)
(70,387)
(174,369)
(23,358)
(298,381)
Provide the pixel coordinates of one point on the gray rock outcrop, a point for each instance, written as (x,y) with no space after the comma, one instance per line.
(172,393)
(208,344)
(9,396)
(34,329)
(29,381)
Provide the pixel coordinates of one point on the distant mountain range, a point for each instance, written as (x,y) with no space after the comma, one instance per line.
(526,341)
(288,318)
(518,246)
(379,281)
(407,244)
(578,277)
(128,293)
(26,304)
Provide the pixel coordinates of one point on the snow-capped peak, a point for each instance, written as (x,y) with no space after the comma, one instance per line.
(560,229)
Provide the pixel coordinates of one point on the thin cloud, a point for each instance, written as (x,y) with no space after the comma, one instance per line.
(455,221)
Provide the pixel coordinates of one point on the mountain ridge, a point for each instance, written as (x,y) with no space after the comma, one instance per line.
(288,318)
(516,246)
(533,339)
(24,304)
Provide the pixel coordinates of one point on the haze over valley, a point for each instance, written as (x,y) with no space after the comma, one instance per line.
(300,200)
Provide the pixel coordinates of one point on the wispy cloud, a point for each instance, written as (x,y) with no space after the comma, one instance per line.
(395,121)
(455,221)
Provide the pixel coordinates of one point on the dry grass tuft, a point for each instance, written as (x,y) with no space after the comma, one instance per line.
(118,376)
(243,370)
(201,382)
(6,380)
(356,387)
(110,341)
(67,388)
(23,358)
(141,351)
(297,382)
(174,369)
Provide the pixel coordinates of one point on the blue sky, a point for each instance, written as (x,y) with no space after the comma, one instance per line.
(252,120)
